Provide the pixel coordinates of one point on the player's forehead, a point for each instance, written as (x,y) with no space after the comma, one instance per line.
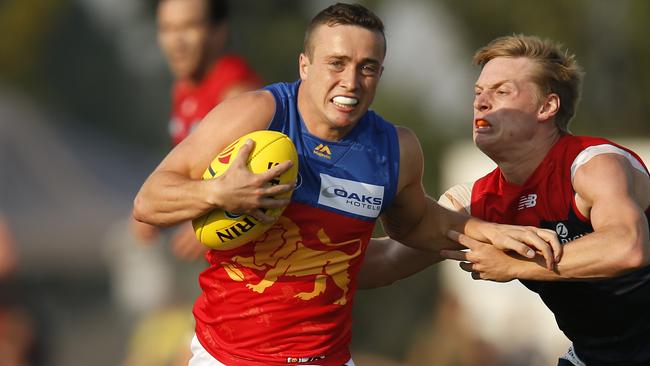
(505,71)
(172,11)
(347,41)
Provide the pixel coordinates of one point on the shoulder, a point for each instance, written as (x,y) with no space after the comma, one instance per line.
(408,142)
(248,111)
(602,152)
(283,89)
(411,158)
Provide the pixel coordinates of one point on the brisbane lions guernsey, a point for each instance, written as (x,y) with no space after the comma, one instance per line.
(190,103)
(607,320)
(286,298)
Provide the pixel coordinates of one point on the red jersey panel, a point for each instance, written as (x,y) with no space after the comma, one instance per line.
(546,196)
(190,103)
(296,284)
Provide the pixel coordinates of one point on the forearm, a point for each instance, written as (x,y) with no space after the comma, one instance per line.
(387,261)
(168,198)
(430,232)
(597,255)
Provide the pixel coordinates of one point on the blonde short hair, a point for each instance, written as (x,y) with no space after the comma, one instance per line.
(558,70)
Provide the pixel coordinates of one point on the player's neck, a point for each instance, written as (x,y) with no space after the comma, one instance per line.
(519,166)
(203,70)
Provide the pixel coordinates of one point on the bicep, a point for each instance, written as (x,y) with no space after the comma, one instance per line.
(228,121)
(409,205)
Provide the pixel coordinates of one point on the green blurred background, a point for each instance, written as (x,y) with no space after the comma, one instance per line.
(84,104)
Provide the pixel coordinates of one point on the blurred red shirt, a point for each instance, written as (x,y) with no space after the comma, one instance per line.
(191,102)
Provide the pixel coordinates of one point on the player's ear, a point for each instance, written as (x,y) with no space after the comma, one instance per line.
(303,65)
(549,108)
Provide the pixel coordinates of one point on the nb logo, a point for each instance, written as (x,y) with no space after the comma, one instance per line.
(323,151)
(527,201)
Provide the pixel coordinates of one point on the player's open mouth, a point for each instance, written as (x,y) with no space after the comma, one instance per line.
(345,102)
(481,124)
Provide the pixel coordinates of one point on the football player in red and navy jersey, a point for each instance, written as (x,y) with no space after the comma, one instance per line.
(192,35)
(593,193)
(286,297)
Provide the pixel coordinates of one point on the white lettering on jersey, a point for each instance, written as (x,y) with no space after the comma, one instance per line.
(350,196)
(561,230)
(527,201)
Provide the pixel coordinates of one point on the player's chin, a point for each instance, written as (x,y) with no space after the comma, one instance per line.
(484,141)
(343,118)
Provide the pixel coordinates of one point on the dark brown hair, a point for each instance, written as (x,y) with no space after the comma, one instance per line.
(344,14)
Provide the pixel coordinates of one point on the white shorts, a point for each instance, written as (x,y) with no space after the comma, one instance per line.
(201,357)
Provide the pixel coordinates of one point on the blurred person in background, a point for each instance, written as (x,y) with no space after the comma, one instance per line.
(593,193)
(286,297)
(193,35)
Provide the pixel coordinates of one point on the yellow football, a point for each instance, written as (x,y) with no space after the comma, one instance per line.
(222,230)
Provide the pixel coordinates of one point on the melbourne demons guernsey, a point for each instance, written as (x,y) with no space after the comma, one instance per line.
(607,320)
(190,103)
(286,298)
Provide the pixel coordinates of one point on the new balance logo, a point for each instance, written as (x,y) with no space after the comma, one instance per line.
(527,201)
(323,151)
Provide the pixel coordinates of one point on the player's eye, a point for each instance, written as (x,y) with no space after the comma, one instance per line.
(370,70)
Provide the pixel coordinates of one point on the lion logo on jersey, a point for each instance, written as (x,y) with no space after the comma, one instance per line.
(281,252)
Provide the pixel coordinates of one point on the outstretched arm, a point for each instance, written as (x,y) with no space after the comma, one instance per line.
(420,222)
(618,244)
(387,260)
(175,192)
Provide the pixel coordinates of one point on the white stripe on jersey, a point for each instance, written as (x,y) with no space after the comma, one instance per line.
(596,150)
